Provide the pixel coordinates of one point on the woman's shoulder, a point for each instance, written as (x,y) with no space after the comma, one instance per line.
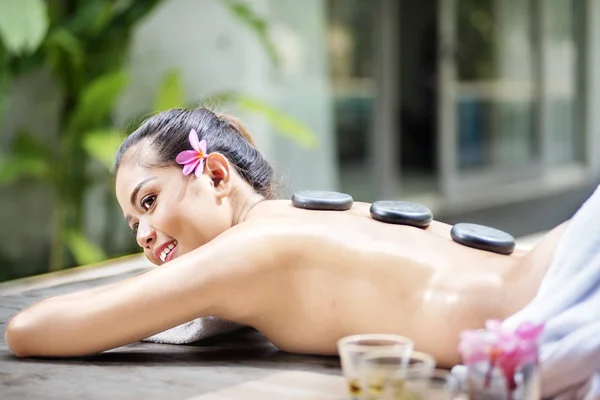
(282,209)
(290,228)
(280,227)
(273,232)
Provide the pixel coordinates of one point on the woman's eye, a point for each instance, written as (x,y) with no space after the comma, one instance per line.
(135,228)
(147,202)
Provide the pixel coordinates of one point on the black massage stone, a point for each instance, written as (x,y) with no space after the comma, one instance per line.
(483,238)
(322,200)
(401,212)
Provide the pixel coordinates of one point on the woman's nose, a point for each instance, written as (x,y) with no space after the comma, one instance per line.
(146,236)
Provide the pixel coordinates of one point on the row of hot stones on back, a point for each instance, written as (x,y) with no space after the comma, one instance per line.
(405,213)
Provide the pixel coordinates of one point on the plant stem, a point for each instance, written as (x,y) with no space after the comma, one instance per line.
(57,248)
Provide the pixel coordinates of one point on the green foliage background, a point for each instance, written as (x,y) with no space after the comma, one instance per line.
(84,45)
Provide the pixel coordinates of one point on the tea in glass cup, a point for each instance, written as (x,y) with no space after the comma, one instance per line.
(353,348)
(386,375)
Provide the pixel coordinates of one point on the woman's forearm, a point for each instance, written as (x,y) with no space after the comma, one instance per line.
(212,280)
(92,321)
(102,318)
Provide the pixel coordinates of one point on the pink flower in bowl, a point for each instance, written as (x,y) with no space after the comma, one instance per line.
(507,350)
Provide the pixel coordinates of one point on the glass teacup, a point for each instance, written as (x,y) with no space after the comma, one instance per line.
(352,350)
(385,374)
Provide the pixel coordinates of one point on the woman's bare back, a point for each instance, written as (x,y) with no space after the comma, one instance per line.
(304,279)
(352,274)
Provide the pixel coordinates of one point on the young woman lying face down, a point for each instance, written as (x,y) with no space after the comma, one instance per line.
(303,278)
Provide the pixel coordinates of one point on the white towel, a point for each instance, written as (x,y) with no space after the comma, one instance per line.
(193,331)
(568,301)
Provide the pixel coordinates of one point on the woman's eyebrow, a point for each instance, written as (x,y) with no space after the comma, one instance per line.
(137,189)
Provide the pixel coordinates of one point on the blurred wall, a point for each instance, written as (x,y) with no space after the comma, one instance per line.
(215,52)
(26,208)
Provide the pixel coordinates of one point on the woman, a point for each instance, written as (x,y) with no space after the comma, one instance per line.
(203,205)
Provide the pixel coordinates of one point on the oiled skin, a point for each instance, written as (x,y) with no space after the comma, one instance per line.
(304,279)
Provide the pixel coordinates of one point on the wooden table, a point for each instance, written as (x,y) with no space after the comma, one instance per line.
(239,365)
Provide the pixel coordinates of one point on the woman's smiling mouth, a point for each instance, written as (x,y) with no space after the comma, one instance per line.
(166,252)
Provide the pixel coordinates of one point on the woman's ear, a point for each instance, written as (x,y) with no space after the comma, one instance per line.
(218,169)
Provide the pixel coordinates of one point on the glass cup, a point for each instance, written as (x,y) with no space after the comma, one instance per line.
(485,383)
(353,348)
(389,374)
(437,385)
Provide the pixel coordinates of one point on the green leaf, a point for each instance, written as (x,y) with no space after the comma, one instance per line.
(23,24)
(13,169)
(170,92)
(98,99)
(103,18)
(131,12)
(66,58)
(84,251)
(283,123)
(91,17)
(26,145)
(29,158)
(103,144)
(70,45)
(258,25)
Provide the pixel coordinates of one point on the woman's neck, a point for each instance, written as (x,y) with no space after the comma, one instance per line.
(246,200)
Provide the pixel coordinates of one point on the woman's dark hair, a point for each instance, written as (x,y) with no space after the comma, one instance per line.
(167,134)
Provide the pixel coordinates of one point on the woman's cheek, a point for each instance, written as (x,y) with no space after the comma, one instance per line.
(164,216)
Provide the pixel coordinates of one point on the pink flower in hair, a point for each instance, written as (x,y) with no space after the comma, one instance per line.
(193,159)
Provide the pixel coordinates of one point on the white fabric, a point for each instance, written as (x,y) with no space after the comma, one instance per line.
(193,331)
(568,301)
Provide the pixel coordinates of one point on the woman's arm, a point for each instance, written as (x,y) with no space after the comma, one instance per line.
(196,284)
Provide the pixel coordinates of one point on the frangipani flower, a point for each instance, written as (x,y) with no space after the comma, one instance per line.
(473,347)
(505,349)
(193,159)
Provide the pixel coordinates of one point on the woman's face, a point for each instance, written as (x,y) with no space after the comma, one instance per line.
(171,214)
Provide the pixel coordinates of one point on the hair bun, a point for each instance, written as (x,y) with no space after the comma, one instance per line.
(237,126)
